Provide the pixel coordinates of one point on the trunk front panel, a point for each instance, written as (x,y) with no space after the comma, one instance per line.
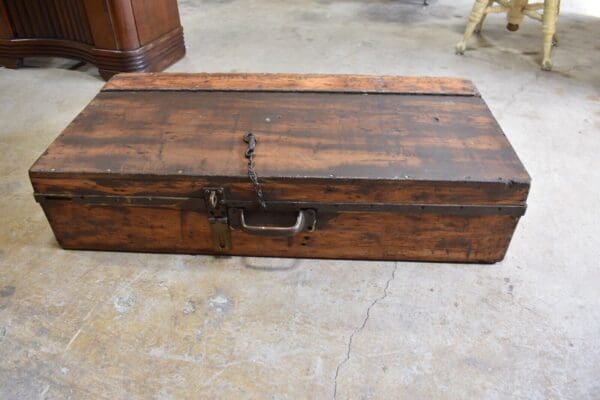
(349,235)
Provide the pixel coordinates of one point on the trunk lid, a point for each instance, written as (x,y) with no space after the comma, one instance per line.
(345,140)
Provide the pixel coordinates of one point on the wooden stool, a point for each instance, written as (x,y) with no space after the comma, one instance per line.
(516,10)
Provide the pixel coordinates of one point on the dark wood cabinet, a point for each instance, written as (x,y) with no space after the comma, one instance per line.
(115,35)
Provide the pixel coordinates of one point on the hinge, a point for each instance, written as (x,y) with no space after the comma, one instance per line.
(217,218)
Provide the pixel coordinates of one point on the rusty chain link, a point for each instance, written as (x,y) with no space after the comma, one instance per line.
(250,154)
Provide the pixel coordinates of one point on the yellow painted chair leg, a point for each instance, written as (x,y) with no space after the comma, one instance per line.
(515,14)
(549,29)
(479,26)
(476,16)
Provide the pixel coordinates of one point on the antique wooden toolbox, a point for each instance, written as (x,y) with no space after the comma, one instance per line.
(322,166)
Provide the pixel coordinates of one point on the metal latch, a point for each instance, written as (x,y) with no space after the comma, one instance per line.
(217,218)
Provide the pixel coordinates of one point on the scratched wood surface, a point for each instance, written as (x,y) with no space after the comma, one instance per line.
(383,142)
(321,139)
(292,83)
(349,235)
(326,191)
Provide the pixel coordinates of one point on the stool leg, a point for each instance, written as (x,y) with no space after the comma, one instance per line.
(549,29)
(479,26)
(515,14)
(475,18)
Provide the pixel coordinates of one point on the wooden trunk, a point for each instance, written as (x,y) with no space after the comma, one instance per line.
(359,167)
(115,35)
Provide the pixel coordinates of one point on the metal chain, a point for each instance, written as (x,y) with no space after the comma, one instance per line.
(250,154)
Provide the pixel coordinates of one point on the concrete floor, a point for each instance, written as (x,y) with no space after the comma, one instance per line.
(110,325)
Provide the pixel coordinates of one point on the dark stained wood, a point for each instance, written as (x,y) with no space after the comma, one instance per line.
(48,19)
(394,192)
(102,32)
(124,24)
(292,83)
(333,148)
(155,18)
(356,235)
(302,136)
(6,30)
(11,62)
(154,56)
(98,15)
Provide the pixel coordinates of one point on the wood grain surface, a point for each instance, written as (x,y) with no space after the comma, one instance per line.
(346,142)
(323,190)
(115,35)
(349,235)
(326,140)
(6,30)
(49,19)
(154,18)
(123,22)
(292,83)
(101,27)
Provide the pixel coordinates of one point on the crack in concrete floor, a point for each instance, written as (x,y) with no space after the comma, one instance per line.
(360,328)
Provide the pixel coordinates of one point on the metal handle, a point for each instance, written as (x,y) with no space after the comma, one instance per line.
(285,231)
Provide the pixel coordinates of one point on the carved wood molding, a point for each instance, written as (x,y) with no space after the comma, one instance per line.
(115,35)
